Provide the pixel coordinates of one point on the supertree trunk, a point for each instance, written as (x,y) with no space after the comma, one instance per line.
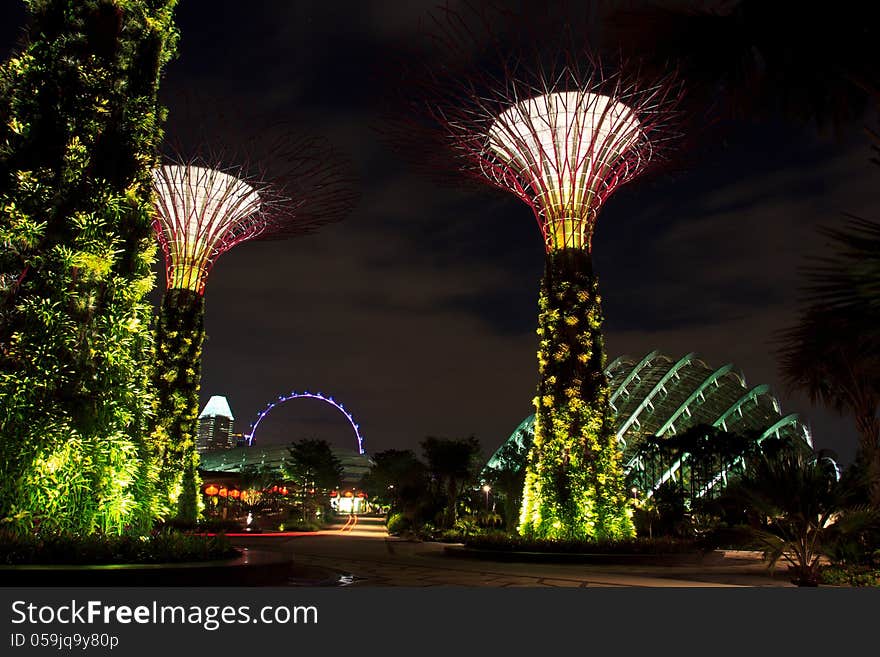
(80,126)
(180,333)
(574,480)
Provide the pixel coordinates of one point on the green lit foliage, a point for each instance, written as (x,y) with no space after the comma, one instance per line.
(833,354)
(452,466)
(80,127)
(574,478)
(802,509)
(397,478)
(164,546)
(180,333)
(316,470)
(507,478)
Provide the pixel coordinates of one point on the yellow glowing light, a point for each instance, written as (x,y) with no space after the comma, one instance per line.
(196,208)
(562,147)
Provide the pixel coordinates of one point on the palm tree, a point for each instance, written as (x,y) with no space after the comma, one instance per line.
(801,504)
(834,352)
(453,465)
(848,281)
(398,478)
(507,476)
(838,364)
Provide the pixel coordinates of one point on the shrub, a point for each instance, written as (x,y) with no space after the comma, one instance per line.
(466,526)
(398,523)
(166,546)
(209,525)
(506,542)
(299,526)
(849,575)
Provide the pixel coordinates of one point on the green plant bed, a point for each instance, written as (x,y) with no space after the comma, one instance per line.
(635,546)
(300,526)
(852,575)
(166,546)
(210,526)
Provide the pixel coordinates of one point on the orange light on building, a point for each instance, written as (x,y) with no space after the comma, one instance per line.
(211,490)
(283,490)
(348,493)
(361,495)
(234,493)
(223,492)
(334,493)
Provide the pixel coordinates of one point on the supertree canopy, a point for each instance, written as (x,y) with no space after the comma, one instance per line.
(203,209)
(564,153)
(562,131)
(200,213)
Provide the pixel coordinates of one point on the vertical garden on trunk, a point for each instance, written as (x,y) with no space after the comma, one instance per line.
(177,369)
(80,126)
(573,486)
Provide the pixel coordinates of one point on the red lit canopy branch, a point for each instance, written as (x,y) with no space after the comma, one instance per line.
(562,138)
(200,213)
(203,209)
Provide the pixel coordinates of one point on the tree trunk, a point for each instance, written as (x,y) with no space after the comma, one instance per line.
(180,332)
(868,426)
(452,501)
(574,480)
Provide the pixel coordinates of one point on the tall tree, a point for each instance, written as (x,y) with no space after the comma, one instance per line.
(315,469)
(80,126)
(799,500)
(453,465)
(833,353)
(399,478)
(838,365)
(506,473)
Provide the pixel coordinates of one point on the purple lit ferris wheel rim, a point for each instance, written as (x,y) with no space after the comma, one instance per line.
(307,395)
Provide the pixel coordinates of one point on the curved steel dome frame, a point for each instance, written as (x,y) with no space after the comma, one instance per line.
(660,395)
(327,399)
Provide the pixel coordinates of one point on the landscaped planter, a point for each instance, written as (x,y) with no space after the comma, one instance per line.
(647,559)
(251,568)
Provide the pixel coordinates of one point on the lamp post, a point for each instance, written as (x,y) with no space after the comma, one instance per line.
(486,489)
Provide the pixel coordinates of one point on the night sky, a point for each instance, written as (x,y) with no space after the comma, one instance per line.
(418,311)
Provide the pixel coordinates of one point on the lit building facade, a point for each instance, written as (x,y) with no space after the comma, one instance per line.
(215,425)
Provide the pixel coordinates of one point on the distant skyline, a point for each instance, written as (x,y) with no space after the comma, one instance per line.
(418,311)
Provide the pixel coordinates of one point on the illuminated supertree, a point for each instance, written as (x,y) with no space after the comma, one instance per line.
(203,208)
(562,132)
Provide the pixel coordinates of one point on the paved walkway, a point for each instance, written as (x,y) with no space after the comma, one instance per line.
(360,553)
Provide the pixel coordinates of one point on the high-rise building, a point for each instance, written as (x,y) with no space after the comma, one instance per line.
(215,425)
